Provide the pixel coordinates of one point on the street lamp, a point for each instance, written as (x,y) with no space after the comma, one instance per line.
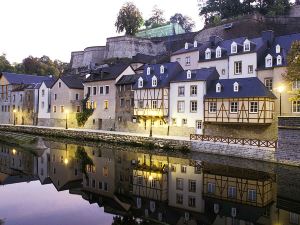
(151,127)
(280,90)
(14,111)
(67,112)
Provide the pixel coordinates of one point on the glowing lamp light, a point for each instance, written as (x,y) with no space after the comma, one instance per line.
(14,151)
(281,89)
(150,177)
(66,161)
(67,111)
(14,111)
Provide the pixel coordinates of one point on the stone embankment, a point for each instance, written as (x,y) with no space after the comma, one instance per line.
(180,143)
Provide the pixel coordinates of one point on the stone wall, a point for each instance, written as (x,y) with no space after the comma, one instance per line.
(288,139)
(89,57)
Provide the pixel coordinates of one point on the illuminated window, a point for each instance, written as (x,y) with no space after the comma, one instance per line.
(218,52)
(296,106)
(106,104)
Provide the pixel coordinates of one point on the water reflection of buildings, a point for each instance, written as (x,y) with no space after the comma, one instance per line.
(163,189)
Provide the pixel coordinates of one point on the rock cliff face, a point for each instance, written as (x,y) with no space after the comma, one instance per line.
(128,46)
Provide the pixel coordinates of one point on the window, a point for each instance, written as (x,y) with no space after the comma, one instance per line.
(153,183)
(212,107)
(294,218)
(179,183)
(184,121)
(233,48)
(251,195)
(296,85)
(236,87)
(269,61)
(122,102)
(180,106)
(279,60)
(296,106)
(162,69)
(211,188)
(183,169)
(208,54)
(105,186)
(238,67)
(154,81)
(54,108)
(141,104)
(246,45)
(218,87)
(148,70)
(154,104)
(269,83)
(62,109)
(193,106)
(179,199)
(77,96)
(59,84)
(253,107)
(192,186)
(21,98)
(188,74)
(223,71)
(250,69)
(218,52)
(231,192)
(186,46)
(140,180)
(89,91)
(195,44)
(43,93)
(234,106)
(193,90)
(78,108)
(94,90)
(106,104)
(101,90)
(181,91)
(278,49)
(106,89)
(105,171)
(192,201)
(55,96)
(188,61)
(140,83)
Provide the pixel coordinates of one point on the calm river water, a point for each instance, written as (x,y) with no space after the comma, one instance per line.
(66,183)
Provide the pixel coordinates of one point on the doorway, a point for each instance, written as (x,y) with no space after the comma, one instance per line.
(199,129)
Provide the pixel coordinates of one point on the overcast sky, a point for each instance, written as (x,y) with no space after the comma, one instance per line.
(57,27)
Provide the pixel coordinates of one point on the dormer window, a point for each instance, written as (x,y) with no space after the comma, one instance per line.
(208,54)
(246,45)
(269,61)
(188,74)
(162,69)
(279,60)
(154,81)
(140,82)
(236,87)
(148,70)
(195,44)
(278,49)
(218,87)
(218,52)
(233,48)
(186,46)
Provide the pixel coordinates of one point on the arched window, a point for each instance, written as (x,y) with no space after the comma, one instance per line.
(233,47)
(140,82)
(186,46)
(236,87)
(208,54)
(278,49)
(162,69)
(279,60)
(154,81)
(189,74)
(269,61)
(148,70)
(218,87)
(218,52)
(195,44)
(247,45)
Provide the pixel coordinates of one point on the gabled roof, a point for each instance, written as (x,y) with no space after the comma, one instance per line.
(127,79)
(107,73)
(72,81)
(49,82)
(191,48)
(248,87)
(163,80)
(197,75)
(15,78)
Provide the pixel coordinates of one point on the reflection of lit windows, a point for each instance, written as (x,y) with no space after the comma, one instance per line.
(139,180)
(211,188)
(192,201)
(294,218)
(231,192)
(296,106)
(183,169)
(153,183)
(179,183)
(192,186)
(106,104)
(105,171)
(251,195)
(179,199)
(154,104)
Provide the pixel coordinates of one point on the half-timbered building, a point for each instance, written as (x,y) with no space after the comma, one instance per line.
(151,93)
(245,101)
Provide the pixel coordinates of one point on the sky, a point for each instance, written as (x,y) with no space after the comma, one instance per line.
(57,27)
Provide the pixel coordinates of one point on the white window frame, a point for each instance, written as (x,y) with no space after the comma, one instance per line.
(267,82)
(232,193)
(140,82)
(179,93)
(236,87)
(279,60)
(250,69)
(278,49)
(268,61)
(162,69)
(252,195)
(238,67)
(208,54)
(148,70)
(193,90)
(233,48)
(154,104)
(192,106)
(106,89)
(180,106)
(296,106)
(195,44)
(189,74)
(154,81)
(218,52)
(234,105)
(296,85)
(186,45)
(251,105)
(188,61)
(218,87)
(211,188)
(247,46)
(212,105)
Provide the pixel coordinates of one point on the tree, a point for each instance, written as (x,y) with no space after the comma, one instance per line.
(5,65)
(186,22)
(293,68)
(279,7)
(157,19)
(129,19)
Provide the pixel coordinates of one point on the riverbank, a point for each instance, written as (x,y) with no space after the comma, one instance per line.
(165,142)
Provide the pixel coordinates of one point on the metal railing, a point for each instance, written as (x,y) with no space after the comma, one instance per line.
(231,140)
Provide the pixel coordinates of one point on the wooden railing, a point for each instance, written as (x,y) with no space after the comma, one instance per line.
(231,140)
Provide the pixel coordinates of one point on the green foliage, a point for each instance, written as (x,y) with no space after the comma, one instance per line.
(129,19)
(186,22)
(5,65)
(84,159)
(157,19)
(83,116)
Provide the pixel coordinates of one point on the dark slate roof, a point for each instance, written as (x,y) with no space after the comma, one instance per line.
(127,79)
(163,80)
(285,43)
(191,48)
(49,82)
(248,87)
(15,78)
(72,81)
(197,75)
(107,73)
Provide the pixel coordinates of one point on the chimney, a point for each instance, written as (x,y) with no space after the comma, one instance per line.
(268,36)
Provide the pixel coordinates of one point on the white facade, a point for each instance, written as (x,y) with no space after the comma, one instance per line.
(44,102)
(248,66)
(183,111)
(221,66)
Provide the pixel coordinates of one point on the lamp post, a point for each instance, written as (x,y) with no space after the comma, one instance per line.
(280,90)
(151,127)
(14,112)
(67,112)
